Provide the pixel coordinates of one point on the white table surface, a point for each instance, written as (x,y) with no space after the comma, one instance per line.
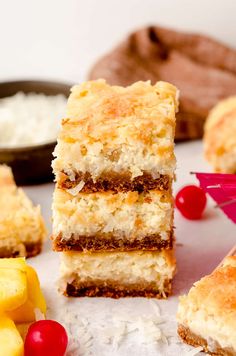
(201,245)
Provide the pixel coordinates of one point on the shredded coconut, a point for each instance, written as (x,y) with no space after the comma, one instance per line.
(30,119)
(114,334)
(80,339)
(74,191)
(113,331)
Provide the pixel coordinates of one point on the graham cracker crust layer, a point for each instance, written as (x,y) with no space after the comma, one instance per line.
(115,182)
(111,289)
(106,242)
(192,339)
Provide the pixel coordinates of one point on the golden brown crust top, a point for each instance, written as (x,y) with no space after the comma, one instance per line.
(110,102)
(230,261)
(97,106)
(112,128)
(216,292)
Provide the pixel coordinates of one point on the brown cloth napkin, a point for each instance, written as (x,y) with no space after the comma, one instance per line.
(203,69)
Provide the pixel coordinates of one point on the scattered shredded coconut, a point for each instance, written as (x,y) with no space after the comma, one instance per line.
(30,119)
(80,339)
(148,329)
(113,330)
(155,307)
(74,191)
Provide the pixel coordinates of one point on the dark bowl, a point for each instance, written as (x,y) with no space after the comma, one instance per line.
(31,164)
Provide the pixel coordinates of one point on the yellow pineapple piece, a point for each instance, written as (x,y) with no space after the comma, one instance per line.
(13,288)
(26,312)
(23,329)
(23,314)
(11,343)
(15,263)
(35,294)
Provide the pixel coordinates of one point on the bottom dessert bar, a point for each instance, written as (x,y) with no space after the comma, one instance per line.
(212,347)
(117,274)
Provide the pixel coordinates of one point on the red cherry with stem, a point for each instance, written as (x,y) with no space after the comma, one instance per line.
(46,338)
(191,202)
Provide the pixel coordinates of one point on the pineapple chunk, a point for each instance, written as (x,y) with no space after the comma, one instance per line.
(34,292)
(26,312)
(11,343)
(15,263)
(23,329)
(13,288)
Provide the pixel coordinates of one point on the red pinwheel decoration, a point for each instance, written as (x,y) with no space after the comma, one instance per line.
(222,188)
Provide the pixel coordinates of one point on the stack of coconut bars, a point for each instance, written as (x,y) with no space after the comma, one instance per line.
(113,204)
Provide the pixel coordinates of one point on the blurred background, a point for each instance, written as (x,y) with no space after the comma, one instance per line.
(61,39)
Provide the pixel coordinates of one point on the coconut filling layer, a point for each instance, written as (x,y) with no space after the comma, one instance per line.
(203,323)
(75,157)
(121,267)
(121,215)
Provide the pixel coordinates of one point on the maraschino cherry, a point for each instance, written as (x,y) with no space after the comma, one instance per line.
(46,338)
(191,202)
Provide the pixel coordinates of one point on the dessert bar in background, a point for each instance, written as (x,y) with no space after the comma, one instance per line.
(22,229)
(220,136)
(113,204)
(207,315)
(203,69)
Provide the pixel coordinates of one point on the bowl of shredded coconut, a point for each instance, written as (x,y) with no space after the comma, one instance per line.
(30,116)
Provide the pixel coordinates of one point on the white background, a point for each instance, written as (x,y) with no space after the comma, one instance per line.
(60,39)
